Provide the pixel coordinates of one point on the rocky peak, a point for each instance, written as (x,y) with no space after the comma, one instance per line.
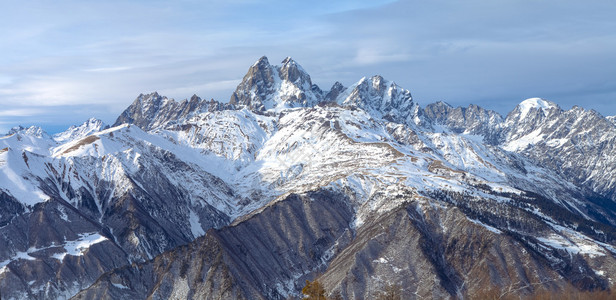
(33,131)
(611,119)
(381,98)
(533,109)
(152,111)
(266,87)
(142,111)
(528,116)
(74,132)
(438,111)
(91,123)
(262,61)
(334,92)
(291,71)
(469,120)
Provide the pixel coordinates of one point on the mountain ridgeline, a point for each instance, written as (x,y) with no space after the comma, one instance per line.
(357,187)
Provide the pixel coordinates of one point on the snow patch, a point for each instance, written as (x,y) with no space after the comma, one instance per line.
(19,255)
(488,227)
(573,242)
(120,286)
(381,260)
(63,214)
(534,103)
(195,225)
(180,289)
(523,142)
(81,245)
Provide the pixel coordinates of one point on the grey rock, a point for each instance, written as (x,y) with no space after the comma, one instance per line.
(152,111)
(266,256)
(266,87)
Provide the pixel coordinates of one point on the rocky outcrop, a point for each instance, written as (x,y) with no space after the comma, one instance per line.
(151,111)
(381,99)
(467,120)
(267,87)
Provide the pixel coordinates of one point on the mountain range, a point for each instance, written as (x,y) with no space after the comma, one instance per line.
(357,187)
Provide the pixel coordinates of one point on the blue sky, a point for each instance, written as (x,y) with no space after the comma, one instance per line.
(62,62)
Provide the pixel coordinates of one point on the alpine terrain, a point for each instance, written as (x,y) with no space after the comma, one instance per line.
(357,187)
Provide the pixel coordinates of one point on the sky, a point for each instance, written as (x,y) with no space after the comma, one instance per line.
(62,62)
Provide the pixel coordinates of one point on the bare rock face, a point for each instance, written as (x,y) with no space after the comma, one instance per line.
(382,99)
(267,87)
(469,120)
(428,246)
(334,92)
(152,111)
(438,252)
(266,256)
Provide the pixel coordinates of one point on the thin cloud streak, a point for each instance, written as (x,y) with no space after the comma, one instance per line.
(20,112)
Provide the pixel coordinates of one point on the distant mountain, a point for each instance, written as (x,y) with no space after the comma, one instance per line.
(77,132)
(153,110)
(358,187)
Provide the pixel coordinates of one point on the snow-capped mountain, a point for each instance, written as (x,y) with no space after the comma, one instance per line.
(153,110)
(357,184)
(78,132)
(267,87)
(381,99)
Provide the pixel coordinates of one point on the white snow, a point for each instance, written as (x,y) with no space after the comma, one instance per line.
(180,289)
(17,180)
(119,286)
(534,103)
(558,242)
(557,142)
(81,245)
(89,127)
(18,255)
(266,157)
(63,214)
(381,260)
(523,142)
(488,227)
(195,226)
(574,242)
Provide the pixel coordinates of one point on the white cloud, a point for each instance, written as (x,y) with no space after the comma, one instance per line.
(21,112)
(371,56)
(109,69)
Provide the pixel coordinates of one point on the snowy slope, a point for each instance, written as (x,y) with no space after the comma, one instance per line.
(77,132)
